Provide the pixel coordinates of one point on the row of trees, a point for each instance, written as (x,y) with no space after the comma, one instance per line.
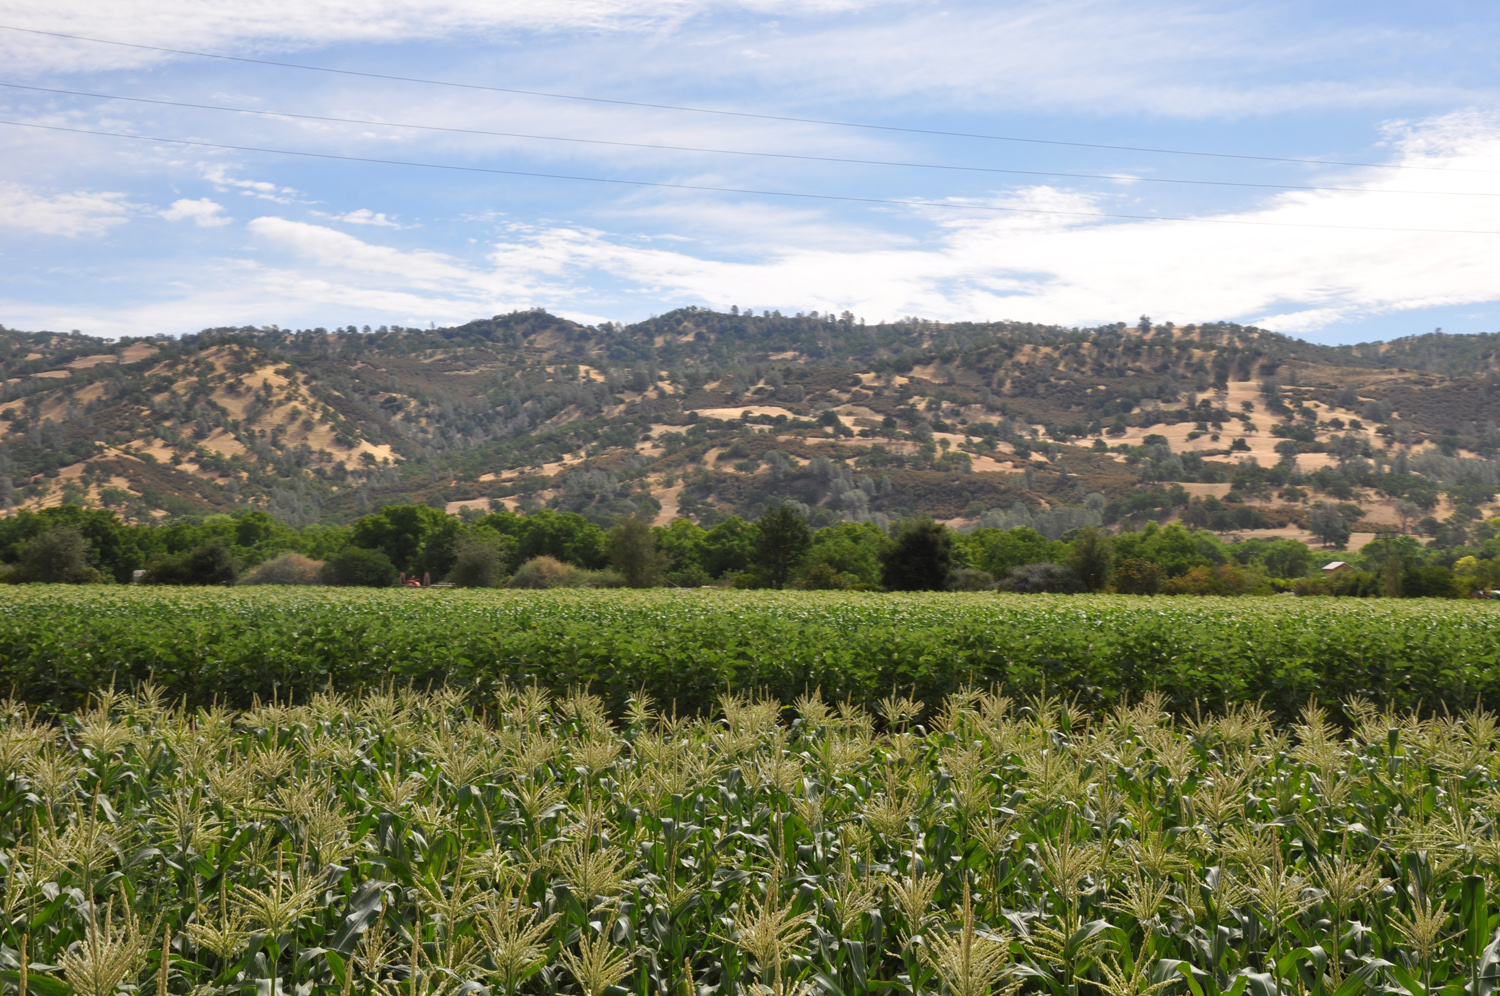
(542,549)
(780,550)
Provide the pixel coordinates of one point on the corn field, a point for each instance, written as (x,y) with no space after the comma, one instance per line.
(418,843)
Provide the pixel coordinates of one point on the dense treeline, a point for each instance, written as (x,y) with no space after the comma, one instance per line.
(547,548)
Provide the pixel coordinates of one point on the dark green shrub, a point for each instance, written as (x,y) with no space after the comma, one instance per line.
(58,556)
(208,564)
(356,567)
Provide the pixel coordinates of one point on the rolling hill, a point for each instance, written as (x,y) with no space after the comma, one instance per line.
(703,414)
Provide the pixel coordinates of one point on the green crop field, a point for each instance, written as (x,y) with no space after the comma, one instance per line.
(58,644)
(417,844)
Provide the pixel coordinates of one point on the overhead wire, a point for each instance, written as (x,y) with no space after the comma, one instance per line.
(841,160)
(848,198)
(786,118)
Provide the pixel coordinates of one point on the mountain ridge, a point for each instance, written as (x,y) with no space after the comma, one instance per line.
(707,414)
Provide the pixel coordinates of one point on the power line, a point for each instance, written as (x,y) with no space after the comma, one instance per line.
(949,205)
(728,113)
(735,152)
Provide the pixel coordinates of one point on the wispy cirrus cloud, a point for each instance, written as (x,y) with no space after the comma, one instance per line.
(283,24)
(1196,59)
(218,175)
(363,216)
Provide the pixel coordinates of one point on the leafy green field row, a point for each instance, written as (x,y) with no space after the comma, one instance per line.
(415,845)
(58,643)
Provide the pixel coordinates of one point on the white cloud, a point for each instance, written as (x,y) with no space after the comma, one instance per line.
(216,24)
(218,174)
(1189,59)
(73,214)
(364,216)
(1181,59)
(427,271)
(202,212)
(1298,263)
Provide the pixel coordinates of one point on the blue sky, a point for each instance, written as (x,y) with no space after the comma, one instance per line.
(115,236)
